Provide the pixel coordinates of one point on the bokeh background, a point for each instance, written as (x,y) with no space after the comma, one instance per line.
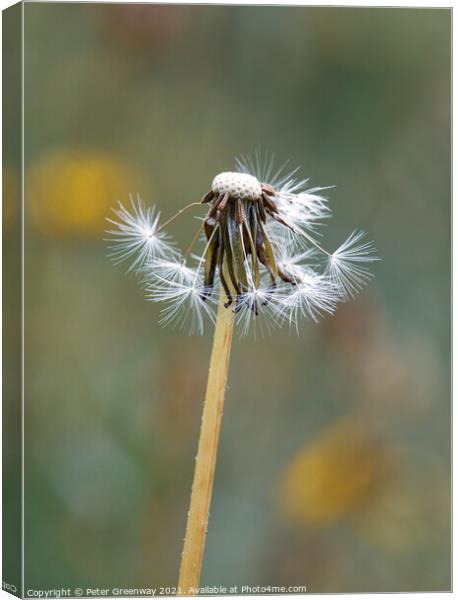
(334,465)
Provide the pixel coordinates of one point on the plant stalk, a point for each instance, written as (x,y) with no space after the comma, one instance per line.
(204,474)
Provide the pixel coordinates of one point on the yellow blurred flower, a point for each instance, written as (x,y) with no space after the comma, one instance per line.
(336,474)
(70,193)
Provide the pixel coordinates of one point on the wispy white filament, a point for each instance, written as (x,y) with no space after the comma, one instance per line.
(346,266)
(136,237)
(170,269)
(313,295)
(260,310)
(186,305)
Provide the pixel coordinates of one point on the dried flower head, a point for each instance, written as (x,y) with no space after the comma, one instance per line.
(259,246)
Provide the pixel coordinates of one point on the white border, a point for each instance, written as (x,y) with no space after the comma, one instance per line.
(327,3)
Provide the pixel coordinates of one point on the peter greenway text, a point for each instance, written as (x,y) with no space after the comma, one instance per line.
(208,590)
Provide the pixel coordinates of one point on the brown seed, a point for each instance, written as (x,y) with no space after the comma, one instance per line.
(268,189)
(215,206)
(223,202)
(262,211)
(269,204)
(208,197)
(239,216)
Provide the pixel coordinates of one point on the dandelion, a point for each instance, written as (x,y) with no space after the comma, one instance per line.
(262,255)
(260,248)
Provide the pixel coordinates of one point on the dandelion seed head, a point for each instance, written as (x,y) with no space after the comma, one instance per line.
(259,247)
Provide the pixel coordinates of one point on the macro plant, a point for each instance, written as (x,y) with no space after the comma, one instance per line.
(261,266)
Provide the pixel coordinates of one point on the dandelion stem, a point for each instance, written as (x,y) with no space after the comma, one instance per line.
(204,474)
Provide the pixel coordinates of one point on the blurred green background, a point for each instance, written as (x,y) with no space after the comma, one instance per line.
(334,464)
